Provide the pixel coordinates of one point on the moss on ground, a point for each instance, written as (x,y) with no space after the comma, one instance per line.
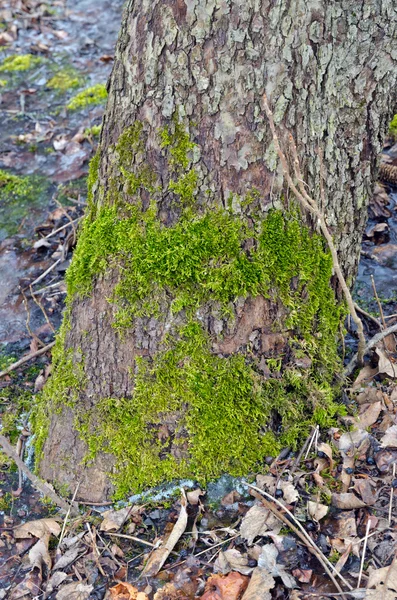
(95,94)
(66,79)
(222,405)
(17,63)
(18,195)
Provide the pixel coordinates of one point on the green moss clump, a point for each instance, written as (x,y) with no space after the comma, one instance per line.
(16,63)
(18,195)
(64,80)
(393,127)
(95,94)
(93,131)
(221,406)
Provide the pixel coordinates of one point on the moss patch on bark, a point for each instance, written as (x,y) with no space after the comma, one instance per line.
(221,406)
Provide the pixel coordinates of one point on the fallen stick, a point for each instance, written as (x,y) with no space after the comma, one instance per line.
(372,342)
(41,486)
(25,359)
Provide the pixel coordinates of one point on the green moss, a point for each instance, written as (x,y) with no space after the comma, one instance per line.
(221,406)
(95,94)
(16,63)
(93,131)
(18,195)
(64,80)
(3,82)
(208,255)
(393,127)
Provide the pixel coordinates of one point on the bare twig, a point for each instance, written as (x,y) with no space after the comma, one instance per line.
(391,495)
(31,333)
(372,342)
(297,460)
(368,315)
(363,555)
(43,487)
(382,316)
(309,204)
(41,307)
(26,359)
(73,222)
(67,516)
(131,537)
(51,268)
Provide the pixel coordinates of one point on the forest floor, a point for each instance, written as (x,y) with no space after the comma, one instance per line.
(321,523)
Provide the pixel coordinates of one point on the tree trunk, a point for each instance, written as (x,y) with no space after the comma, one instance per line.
(201,329)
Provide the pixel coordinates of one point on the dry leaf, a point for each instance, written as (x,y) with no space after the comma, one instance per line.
(303,575)
(39,555)
(260,584)
(347,501)
(126,591)
(257,522)
(74,591)
(267,483)
(232,560)
(37,528)
(385,365)
(114,519)
(225,587)
(268,561)
(193,497)
(369,416)
(316,511)
(326,448)
(290,493)
(389,440)
(67,558)
(366,490)
(377,579)
(160,555)
(29,587)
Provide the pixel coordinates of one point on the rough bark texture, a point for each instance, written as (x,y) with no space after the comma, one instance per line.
(329,70)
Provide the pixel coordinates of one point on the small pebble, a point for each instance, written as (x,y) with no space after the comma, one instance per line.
(394,483)
(321,454)
(279,493)
(370,460)
(310,526)
(349,470)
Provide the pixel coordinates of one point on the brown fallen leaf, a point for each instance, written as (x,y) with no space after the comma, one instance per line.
(326,448)
(126,591)
(74,591)
(389,440)
(160,555)
(225,587)
(260,584)
(114,519)
(29,587)
(384,459)
(303,575)
(384,580)
(369,415)
(39,555)
(317,511)
(367,490)
(347,501)
(232,560)
(268,560)
(257,522)
(193,497)
(385,364)
(37,528)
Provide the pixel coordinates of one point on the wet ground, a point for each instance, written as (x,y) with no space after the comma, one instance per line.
(67,48)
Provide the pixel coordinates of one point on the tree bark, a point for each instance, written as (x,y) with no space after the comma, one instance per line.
(185,143)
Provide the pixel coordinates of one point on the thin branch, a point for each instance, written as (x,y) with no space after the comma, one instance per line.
(25,359)
(311,206)
(42,486)
(368,315)
(372,342)
(51,268)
